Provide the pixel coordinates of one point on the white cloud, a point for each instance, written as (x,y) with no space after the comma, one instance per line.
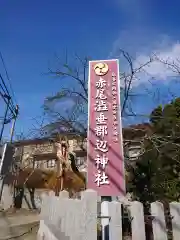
(137,40)
(157,70)
(140,44)
(141,39)
(134,9)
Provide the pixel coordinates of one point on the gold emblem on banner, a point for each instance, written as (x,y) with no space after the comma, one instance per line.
(101,69)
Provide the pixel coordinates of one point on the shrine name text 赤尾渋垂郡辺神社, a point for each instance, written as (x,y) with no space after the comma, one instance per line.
(105,154)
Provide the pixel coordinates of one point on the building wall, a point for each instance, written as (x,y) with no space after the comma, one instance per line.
(28,151)
(133,146)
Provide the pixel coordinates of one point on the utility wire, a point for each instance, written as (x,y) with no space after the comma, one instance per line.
(7,75)
(4,93)
(5,90)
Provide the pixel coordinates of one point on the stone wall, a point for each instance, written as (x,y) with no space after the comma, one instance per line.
(7,198)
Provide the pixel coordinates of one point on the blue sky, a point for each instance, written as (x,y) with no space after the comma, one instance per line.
(31,32)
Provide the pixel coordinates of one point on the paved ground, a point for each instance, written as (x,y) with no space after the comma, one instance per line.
(22,225)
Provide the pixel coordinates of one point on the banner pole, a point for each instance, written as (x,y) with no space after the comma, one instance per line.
(104,216)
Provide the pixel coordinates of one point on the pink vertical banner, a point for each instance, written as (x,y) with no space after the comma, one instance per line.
(106,172)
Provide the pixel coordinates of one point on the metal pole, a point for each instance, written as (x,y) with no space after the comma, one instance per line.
(14,122)
(105,212)
(1,188)
(1,134)
(2,177)
(5,115)
(11,137)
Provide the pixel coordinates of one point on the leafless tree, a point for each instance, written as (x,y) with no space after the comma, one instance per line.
(68,109)
(18,167)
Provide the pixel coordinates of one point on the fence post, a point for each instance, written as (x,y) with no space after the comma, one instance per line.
(60,224)
(71,218)
(104,219)
(43,214)
(89,215)
(63,194)
(115,224)
(52,218)
(63,197)
(175,213)
(158,222)
(137,223)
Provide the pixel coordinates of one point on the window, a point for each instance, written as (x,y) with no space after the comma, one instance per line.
(81,161)
(51,163)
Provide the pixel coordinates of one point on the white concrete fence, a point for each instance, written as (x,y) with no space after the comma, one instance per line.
(76,219)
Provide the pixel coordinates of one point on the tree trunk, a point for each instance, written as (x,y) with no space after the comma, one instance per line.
(31,193)
(18,198)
